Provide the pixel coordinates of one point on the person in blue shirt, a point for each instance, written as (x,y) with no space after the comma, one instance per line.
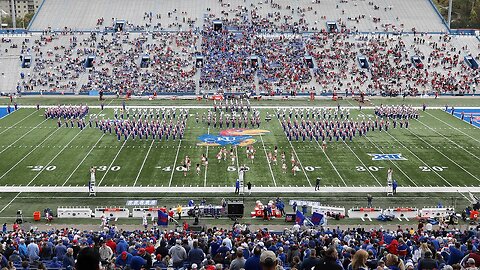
(121,246)
(60,250)
(253,263)
(68,260)
(123,259)
(137,262)
(54,263)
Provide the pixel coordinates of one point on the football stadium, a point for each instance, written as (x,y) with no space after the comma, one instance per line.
(256,135)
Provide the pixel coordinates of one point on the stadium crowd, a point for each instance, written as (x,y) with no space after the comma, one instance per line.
(298,248)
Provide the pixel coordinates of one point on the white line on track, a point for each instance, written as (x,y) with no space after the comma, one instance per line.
(21,137)
(331,163)
(393,137)
(206,167)
(440,152)
(84,158)
(143,163)
(365,166)
(457,129)
(28,154)
(113,161)
(465,150)
(391,161)
(50,162)
(268,161)
(174,163)
(17,122)
(8,204)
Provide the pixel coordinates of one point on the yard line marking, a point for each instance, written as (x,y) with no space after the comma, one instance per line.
(465,150)
(17,122)
(111,164)
(21,137)
(365,166)
(391,161)
(268,161)
(84,158)
(333,166)
(446,181)
(174,164)
(295,153)
(8,204)
(444,155)
(28,154)
(452,127)
(143,163)
(50,162)
(206,167)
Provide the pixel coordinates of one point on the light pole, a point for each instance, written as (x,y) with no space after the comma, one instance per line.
(449,20)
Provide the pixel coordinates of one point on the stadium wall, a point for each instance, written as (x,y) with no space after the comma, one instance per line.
(438,13)
(35,15)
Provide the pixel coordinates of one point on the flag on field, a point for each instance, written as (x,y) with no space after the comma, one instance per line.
(162,218)
(299,218)
(317,219)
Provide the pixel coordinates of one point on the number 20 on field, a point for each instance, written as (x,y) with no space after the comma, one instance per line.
(422,168)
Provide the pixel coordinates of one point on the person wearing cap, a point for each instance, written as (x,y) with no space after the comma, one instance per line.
(159,262)
(121,246)
(60,250)
(329,260)
(105,252)
(138,263)
(146,256)
(123,259)
(239,262)
(409,266)
(194,266)
(178,254)
(268,260)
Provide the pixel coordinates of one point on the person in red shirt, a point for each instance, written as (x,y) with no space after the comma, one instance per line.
(110,243)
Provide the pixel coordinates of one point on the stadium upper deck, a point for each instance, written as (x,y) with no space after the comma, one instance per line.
(184,30)
(308,15)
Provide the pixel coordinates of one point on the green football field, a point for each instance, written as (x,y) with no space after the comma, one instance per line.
(440,150)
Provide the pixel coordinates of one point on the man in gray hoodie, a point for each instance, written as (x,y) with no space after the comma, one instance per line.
(178,254)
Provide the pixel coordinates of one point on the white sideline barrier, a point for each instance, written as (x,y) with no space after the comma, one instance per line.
(113,212)
(402,212)
(362,213)
(149,211)
(326,209)
(74,212)
(436,212)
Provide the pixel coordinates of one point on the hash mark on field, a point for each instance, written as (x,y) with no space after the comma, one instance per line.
(17,123)
(206,167)
(374,177)
(174,164)
(391,161)
(333,166)
(143,163)
(446,181)
(111,164)
(22,136)
(440,152)
(28,154)
(50,162)
(268,161)
(84,158)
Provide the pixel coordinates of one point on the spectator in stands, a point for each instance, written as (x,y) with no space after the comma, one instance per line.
(159,262)
(196,254)
(329,260)
(146,256)
(123,259)
(88,259)
(359,260)
(106,253)
(138,263)
(239,262)
(455,254)
(310,261)
(162,249)
(121,246)
(33,251)
(22,249)
(428,263)
(470,265)
(253,263)
(68,260)
(54,263)
(178,254)
(60,250)
(392,262)
(268,260)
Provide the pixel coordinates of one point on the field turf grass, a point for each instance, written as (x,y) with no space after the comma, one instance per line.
(441,150)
